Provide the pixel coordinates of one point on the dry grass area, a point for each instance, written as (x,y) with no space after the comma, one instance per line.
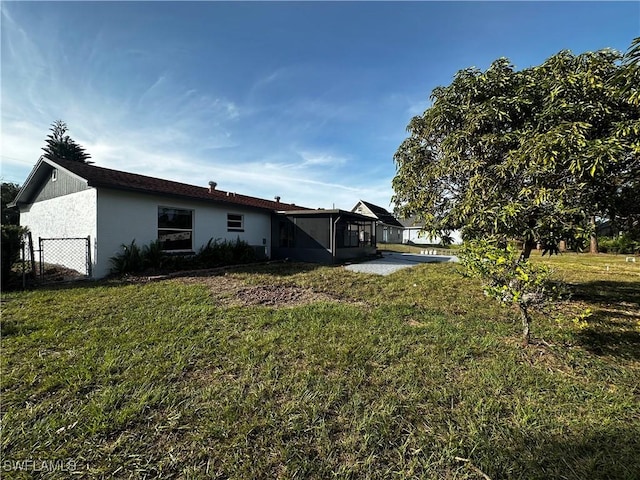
(230,290)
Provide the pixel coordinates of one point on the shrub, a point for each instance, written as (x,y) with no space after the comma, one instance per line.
(509,279)
(215,253)
(128,261)
(243,252)
(11,244)
(153,256)
(446,240)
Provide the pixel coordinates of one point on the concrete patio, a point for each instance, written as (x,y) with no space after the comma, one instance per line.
(392,262)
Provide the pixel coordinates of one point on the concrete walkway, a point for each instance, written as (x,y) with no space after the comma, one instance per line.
(392,262)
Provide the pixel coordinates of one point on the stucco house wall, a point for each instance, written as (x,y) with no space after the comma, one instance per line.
(68,216)
(414,235)
(140,213)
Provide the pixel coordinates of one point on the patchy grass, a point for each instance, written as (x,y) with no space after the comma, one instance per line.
(405,376)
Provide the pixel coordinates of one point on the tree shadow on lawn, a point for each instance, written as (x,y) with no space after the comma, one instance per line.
(594,455)
(10,327)
(608,292)
(612,327)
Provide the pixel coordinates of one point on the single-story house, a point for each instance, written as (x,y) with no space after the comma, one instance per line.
(413,233)
(388,229)
(73,200)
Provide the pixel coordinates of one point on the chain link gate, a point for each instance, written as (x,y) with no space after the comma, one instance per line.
(64,258)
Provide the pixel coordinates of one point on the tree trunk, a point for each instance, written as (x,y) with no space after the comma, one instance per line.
(526,321)
(526,250)
(593,245)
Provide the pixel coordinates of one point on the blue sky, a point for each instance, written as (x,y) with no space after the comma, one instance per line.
(308,101)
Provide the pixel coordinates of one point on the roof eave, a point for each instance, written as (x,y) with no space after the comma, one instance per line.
(26,186)
(146,191)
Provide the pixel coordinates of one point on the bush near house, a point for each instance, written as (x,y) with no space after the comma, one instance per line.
(11,244)
(151,257)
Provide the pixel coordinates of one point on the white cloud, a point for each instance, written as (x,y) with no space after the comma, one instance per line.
(322,159)
(156,123)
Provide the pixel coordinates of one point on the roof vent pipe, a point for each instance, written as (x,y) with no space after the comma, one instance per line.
(212,186)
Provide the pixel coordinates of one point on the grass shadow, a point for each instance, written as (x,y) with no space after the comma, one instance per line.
(10,327)
(625,344)
(612,331)
(593,455)
(612,327)
(607,292)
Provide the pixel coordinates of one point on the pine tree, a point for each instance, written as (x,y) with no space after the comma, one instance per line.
(62,147)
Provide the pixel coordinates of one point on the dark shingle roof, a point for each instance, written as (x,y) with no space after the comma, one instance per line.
(107,178)
(382,214)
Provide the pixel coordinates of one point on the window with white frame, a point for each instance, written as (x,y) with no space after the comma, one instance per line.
(235,222)
(175,229)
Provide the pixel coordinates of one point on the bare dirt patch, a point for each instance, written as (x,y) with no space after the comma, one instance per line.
(279,295)
(233,292)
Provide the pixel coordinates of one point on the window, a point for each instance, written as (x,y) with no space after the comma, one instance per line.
(175,229)
(354,234)
(235,222)
(54,174)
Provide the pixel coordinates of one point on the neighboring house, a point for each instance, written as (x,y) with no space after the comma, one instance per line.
(66,199)
(413,233)
(388,229)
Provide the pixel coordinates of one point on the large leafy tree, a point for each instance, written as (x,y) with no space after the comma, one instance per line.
(60,146)
(535,154)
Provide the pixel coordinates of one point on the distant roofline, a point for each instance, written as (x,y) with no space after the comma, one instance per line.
(382,214)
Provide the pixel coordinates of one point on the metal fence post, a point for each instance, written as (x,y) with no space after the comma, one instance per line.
(32,257)
(41,266)
(23,254)
(89,256)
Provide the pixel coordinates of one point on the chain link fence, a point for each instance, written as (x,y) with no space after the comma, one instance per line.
(63,259)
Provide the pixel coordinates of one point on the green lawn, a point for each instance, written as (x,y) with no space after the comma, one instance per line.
(415,375)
